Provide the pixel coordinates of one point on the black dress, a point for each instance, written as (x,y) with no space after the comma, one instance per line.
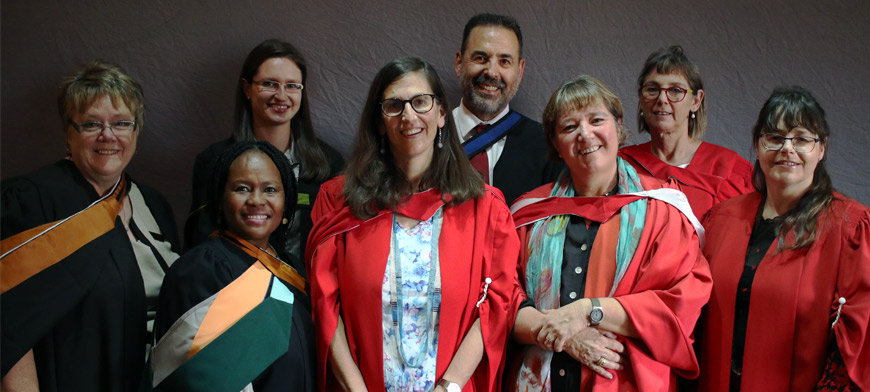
(99,342)
(209,267)
(198,226)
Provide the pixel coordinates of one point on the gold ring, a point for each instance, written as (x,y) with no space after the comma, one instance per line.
(600,362)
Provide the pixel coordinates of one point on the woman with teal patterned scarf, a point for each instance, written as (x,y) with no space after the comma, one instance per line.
(611,265)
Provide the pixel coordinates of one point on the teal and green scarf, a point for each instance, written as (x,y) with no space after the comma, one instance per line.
(544,267)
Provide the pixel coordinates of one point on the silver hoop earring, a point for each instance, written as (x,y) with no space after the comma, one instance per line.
(440,145)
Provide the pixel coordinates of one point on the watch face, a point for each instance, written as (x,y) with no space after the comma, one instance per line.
(453,387)
(596,315)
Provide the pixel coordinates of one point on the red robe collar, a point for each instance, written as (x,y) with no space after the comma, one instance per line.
(419,206)
(641,154)
(538,204)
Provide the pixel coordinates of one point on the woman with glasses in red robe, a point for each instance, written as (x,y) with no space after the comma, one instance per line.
(791,267)
(412,257)
(672,108)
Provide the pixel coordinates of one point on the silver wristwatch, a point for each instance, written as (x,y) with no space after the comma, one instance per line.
(596,316)
(450,386)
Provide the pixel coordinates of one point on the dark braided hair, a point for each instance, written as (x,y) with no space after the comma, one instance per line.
(218,182)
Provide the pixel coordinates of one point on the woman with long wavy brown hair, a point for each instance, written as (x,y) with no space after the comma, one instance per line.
(412,258)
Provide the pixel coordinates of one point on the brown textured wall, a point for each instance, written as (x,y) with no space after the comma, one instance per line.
(187,55)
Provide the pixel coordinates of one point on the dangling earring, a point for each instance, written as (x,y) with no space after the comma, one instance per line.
(382,150)
(440,145)
(693,115)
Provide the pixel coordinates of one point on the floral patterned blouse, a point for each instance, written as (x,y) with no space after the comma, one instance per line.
(414,249)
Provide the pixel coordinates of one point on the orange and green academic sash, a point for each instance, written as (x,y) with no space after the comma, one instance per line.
(227,340)
(47,270)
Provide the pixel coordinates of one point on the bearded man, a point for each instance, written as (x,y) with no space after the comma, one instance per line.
(507,148)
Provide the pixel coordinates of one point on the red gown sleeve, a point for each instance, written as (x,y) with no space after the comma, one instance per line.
(737,182)
(853,284)
(323,282)
(664,295)
(498,311)
(329,199)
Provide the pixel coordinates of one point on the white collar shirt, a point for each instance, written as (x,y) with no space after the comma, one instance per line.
(465,123)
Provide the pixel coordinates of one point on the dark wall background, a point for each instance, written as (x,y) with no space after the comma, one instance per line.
(187,55)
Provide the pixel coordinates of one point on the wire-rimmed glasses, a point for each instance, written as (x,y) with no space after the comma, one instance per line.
(775,141)
(120,128)
(271,86)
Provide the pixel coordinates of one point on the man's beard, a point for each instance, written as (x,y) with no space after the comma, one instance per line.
(481,104)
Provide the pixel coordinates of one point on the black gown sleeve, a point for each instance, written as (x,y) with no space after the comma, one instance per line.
(198,274)
(20,207)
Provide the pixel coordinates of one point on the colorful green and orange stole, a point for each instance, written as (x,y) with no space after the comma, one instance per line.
(227,340)
(46,271)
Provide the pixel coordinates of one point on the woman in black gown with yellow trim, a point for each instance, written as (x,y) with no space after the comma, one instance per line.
(252,197)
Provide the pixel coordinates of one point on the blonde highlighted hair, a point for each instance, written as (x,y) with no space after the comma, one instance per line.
(576,94)
(97,79)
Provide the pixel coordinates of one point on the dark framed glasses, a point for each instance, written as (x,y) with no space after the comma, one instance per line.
(675,94)
(421,103)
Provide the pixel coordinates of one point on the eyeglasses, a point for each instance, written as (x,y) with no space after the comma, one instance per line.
(421,103)
(775,141)
(675,94)
(120,128)
(271,86)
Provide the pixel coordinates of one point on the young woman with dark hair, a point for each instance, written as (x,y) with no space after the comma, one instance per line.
(272,104)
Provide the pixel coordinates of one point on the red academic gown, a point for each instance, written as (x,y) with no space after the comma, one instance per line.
(348,258)
(714,175)
(794,300)
(663,290)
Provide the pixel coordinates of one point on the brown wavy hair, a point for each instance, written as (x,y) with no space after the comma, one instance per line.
(374,181)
